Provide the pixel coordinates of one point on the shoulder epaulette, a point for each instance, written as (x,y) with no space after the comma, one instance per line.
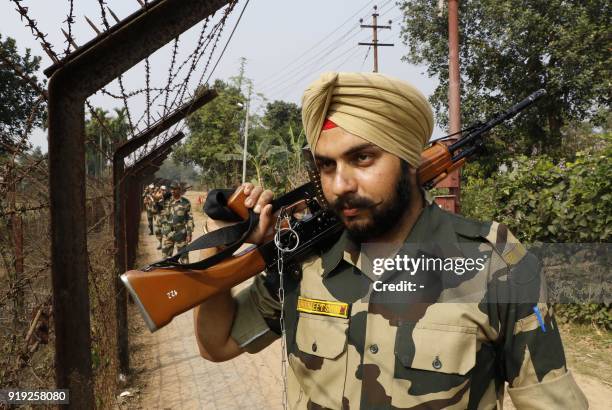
(496,234)
(506,244)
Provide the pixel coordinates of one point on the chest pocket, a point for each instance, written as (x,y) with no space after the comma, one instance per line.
(433,362)
(318,359)
(321,335)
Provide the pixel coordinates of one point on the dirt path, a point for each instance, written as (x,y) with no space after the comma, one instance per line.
(170,374)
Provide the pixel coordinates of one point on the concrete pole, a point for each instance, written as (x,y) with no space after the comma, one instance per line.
(246,136)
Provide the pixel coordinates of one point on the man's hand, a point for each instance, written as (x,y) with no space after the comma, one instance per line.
(260,200)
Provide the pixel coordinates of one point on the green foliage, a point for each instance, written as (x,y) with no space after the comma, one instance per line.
(18,98)
(569,202)
(591,313)
(509,49)
(214,131)
(541,201)
(174,170)
(216,134)
(103,134)
(281,117)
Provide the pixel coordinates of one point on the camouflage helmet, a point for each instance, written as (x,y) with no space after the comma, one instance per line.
(175,184)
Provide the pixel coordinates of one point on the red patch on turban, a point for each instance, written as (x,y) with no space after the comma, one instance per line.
(328,125)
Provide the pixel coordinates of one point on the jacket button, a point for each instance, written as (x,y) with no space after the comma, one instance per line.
(374,348)
(314,347)
(437,364)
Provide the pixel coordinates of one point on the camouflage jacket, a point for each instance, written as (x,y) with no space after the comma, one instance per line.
(451,343)
(149,203)
(176,217)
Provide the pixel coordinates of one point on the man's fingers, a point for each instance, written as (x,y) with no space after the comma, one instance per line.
(247,188)
(253,197)
(264,199)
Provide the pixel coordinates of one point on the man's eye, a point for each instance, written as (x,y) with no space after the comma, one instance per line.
(323,165)
(362,157)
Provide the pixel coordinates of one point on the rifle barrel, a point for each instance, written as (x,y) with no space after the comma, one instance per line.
(511,112)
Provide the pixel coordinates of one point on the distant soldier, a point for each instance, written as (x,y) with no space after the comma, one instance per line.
(160,196)
(177,224)
(149,204)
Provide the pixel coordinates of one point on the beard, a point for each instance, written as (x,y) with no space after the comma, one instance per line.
(382,217)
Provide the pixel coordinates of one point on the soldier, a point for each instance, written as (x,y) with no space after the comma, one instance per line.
(401,333)
(149,204)
(160,197)
(177,225)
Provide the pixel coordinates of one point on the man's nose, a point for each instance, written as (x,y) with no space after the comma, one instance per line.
(344,181)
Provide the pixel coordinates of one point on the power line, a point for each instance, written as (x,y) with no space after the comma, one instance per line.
(316,44)
(314,66)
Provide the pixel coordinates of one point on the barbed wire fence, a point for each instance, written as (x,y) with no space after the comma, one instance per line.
(26,322)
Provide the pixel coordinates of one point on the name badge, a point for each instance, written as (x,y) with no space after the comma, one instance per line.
(322,307)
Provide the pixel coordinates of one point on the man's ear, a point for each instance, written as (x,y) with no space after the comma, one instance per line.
(415,185)
(414,177)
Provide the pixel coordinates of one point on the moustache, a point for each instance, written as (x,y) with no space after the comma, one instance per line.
(351,201)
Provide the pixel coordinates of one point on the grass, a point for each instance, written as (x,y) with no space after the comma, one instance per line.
(588,350)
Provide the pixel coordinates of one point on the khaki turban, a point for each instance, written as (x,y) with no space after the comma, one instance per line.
(382,110)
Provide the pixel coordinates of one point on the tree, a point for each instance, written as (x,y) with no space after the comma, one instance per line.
(19,99)
(99,146)
(214,130)
(511,48)
(280,116)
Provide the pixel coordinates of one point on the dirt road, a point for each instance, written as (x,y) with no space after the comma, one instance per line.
(170,374)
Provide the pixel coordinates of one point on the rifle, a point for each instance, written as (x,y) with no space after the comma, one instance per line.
(168,288)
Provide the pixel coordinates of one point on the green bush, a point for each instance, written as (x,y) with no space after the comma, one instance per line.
(543,201)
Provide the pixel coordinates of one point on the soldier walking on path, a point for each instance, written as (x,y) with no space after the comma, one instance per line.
(177,223)
(149,204)
(160,198)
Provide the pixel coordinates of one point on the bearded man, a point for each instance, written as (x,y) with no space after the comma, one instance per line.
(400,333)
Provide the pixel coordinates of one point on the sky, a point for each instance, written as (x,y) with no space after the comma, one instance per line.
(286,43)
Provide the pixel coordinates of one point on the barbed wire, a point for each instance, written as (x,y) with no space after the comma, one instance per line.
(133,93)
(173,93)
(169,83)
(31,23)
(148,88)
(181,126)
(69,20)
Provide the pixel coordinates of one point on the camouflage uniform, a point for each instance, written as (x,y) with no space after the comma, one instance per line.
(177,225)
(149,203)
(160,206)
(452,344)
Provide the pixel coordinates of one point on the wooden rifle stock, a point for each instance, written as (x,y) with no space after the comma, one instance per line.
(163,293)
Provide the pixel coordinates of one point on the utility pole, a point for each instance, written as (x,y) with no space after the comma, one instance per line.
(374,26)
(453,182)
(246,135)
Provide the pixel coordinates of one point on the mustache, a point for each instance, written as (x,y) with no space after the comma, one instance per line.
(351,201)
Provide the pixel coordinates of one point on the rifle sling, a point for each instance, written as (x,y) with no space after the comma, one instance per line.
(230,237)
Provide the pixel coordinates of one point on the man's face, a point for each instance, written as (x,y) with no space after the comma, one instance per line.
(364,184)
(176,192)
